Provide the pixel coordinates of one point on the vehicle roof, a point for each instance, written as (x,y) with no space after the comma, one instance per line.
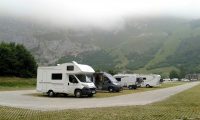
(78,68)
(125,75)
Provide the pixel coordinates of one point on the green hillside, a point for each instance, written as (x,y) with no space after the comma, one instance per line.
(186,57)
(180,52)
(159,47)
(141,45)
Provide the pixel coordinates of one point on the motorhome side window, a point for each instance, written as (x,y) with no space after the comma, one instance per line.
(70,68)
(105,79)
(56,76)
(144,78)
(138,79)
(118,79)
(72,79)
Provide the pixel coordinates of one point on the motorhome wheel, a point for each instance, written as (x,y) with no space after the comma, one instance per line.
(110,89)
(78,93)
(50,93)
(148,86)
(130,87)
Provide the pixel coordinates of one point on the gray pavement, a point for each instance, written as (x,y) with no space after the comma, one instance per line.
(26,99)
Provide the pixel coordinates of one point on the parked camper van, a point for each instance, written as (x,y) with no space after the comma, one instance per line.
(151,80)
(105,81)
(132,81)
(68,78)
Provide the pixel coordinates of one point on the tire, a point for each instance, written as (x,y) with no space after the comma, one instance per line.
(78,93)
(148,86)
(110,89)
(117,90)
(134,87)
(130,87)
(90,95)
(51,93)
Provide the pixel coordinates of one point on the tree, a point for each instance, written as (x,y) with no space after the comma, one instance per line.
(16,60)
(112,72)
(183,71)
(173,74)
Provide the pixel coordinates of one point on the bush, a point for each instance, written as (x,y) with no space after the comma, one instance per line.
(174,74)
(16,60)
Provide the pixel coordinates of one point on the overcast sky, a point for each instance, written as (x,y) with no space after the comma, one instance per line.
(97,12)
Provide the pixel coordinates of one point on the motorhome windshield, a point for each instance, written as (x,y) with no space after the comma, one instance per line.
(84,78)
(112,79)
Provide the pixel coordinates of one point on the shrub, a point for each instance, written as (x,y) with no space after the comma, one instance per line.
(16,60)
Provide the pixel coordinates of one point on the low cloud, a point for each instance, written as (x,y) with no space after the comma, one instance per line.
(105,14)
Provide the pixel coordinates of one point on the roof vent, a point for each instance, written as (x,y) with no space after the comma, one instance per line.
(74,62)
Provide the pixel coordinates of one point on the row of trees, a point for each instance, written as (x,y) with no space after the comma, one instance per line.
(16,60)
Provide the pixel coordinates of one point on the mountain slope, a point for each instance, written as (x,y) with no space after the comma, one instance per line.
(47,43)
(142,45)
(180,53)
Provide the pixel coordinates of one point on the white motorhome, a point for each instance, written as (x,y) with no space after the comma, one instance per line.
(150,80)
(132,81)
(68,78)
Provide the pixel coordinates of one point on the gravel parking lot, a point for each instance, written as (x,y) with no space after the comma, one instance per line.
(26,99)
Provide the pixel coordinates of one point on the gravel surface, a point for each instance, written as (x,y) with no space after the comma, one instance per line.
(26,99)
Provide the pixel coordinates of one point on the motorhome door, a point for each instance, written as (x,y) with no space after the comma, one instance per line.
(72,84)
(106,83)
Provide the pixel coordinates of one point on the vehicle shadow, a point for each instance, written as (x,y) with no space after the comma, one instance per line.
(56,96)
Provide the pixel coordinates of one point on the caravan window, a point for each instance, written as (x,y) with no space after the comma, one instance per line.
(70,68)
(138,79)
(105,79)
(72,79)
(118,79)
(144,78)
(56,76)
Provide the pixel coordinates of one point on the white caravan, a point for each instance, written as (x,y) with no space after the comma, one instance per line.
(132,81)
(68,78)
(150,80)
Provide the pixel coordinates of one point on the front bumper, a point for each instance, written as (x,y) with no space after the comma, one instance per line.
(88,91)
